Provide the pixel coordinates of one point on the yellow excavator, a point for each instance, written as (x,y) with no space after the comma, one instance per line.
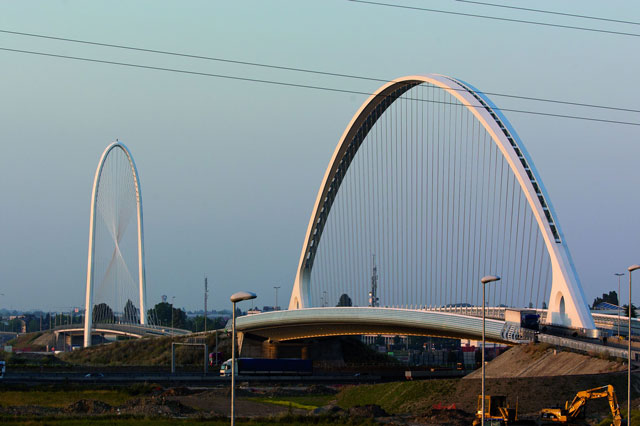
(496,411)
(574,409)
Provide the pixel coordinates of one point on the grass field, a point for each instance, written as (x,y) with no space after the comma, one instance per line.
(396,397)
(60,399)
(306,402)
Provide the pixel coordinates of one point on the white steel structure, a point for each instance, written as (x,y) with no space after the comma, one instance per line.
(567,304)
(116,233)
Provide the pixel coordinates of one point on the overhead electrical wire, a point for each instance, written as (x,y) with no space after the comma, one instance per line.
(294,69)
(496,18)
(288,84)
(549,12)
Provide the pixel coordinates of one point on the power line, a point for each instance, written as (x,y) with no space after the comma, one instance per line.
(295,69)
(296,85)
(496,18)
(550,12)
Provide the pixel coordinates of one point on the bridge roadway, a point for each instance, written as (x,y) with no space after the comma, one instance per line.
(318,322)
(455,322)
(131,330)
(210,379)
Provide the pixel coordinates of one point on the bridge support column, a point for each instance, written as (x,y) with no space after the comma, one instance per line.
(567,304)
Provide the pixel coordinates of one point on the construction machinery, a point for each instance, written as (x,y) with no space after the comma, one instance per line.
(496,411)
(574,410)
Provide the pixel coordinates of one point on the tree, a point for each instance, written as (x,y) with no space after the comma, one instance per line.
(162,313)
(612,298)
(633,310)
(131,313)
(344,300)
(102,313)
(179,318)
(197,324)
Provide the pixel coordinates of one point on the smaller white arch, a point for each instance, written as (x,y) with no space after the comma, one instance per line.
(142,290)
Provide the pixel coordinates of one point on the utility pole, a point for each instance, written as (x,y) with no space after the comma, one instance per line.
(275,307)
(206,291)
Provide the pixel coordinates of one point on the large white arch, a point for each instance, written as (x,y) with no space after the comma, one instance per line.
(88,317)
(565,283)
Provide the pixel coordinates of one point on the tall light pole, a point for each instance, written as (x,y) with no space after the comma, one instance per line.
(630,269)
(173,298)
(206,293)
(484,281)
(235,298)
(275,308)
(618,275)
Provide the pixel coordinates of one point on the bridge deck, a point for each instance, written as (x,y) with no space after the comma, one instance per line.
(134,330)
(316,322)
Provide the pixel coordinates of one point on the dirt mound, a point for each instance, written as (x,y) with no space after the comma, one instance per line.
(448,417)
(179,391)
(88,406)
(46,339)
(539,360)
(154,406)
(372,410)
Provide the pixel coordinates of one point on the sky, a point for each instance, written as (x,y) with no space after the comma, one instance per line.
(230,169)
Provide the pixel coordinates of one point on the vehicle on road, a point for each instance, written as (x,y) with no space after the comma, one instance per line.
(268,367)
(2,369)
(94,375)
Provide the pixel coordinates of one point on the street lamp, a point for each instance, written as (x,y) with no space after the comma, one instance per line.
(630,269)
(275,308)
(484,281)
(235,298)
(173,298)
(618,275)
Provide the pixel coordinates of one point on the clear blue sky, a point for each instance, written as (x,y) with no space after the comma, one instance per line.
(230,169)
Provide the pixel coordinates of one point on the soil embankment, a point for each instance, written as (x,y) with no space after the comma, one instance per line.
(542,361)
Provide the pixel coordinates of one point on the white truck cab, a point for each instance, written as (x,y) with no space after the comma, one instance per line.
(225,368)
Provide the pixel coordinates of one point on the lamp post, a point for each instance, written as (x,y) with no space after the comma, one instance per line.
(173,298)
(630,269)
(618,275)
(484,281)
(235,298)
(275,308)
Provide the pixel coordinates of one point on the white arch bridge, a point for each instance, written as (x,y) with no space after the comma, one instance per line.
(429,189)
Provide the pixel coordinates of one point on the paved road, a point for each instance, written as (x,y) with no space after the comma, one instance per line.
(211,379)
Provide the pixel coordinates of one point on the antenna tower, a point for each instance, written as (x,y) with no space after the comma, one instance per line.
(373,294)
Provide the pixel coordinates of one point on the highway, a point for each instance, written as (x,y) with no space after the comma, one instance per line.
(200,379)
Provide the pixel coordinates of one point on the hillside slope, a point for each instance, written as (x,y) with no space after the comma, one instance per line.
(540,360)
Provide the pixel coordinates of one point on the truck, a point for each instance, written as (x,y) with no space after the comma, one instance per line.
(525,318)
(268,367)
